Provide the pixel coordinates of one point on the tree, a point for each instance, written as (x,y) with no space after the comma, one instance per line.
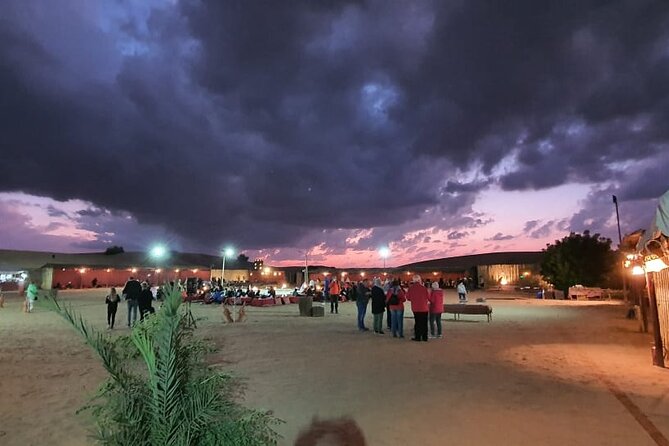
(243,259)
(578,259)
(114,250)
(177,399)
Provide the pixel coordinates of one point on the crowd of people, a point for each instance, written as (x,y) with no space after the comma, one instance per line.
(387,297)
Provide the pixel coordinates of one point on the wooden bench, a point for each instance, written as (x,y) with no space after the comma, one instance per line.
(457,309)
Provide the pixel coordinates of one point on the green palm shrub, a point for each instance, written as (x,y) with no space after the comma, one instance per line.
(163,394)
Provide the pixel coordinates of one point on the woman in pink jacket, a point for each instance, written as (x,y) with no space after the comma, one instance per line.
(436,307)
(419,298)
(396,307)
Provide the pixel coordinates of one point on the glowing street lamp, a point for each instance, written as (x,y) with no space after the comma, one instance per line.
(384,253)
(227,252)
(158,253)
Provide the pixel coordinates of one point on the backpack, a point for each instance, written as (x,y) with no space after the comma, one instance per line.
(394,299)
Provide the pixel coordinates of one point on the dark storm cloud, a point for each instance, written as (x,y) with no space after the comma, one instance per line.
(264,124)
(457,235)
(92,212)
(499,237)
(53,211)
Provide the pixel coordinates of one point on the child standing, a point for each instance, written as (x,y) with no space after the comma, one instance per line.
(112,301)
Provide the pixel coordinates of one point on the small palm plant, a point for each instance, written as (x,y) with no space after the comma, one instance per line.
(167,397)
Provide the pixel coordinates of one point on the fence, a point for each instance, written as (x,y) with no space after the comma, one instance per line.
(661,280)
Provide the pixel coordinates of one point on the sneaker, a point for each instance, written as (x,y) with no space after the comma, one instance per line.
(415,339)
(394,336)
(381,332)
(401,336)
(424,340)
(440,336)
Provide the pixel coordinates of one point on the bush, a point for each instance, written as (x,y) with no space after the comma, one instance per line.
(160,392)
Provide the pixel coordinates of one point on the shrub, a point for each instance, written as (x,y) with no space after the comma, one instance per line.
(174,398)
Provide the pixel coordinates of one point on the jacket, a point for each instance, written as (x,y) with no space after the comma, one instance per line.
(334,288)
(378,300)
(462,289)
(145,298)
(132,289)
(361,296)
(401,296)
(418,296)
(436,301)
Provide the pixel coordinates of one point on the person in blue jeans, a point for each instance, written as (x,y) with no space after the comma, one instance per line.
(395,299)
(362,299)
(131,292)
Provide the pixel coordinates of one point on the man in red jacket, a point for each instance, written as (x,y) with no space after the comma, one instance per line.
(418,296)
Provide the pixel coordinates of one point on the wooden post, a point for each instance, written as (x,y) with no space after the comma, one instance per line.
(658,349)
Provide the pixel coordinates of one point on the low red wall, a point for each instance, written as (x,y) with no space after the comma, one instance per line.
(118,277)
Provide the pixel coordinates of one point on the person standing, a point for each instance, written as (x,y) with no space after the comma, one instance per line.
(378,305)
(112,301)
(31,296)
(462,292)
(362,298)
(334,296)
(387,283)
(395,300)
(326,289)
(353,292)
(131,292)
(436,308)
(144,301)
(418,296)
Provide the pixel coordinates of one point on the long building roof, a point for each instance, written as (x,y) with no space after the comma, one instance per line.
(462,263)
(18,260)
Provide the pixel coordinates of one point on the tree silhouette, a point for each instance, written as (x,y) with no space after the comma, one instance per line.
(114,250)
(582,259)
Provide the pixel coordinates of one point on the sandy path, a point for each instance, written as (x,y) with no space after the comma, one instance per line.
(536,375)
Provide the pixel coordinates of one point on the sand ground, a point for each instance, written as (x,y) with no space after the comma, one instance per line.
(543,372)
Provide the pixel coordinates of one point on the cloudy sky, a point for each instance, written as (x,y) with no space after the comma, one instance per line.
(437,128)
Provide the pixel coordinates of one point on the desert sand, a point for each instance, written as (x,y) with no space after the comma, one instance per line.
(542,372)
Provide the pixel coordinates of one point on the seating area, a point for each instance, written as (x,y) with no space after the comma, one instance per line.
(475,309)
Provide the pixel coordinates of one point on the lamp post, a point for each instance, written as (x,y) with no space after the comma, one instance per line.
(306,265)
(620,245)
(157,253)
(384,253)
(227,252)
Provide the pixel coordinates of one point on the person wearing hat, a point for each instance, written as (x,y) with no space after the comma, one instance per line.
(436,308)
(419,298)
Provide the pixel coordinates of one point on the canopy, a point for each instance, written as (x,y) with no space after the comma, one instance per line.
(659,227)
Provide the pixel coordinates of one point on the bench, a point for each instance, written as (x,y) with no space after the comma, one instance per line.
(457,309)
